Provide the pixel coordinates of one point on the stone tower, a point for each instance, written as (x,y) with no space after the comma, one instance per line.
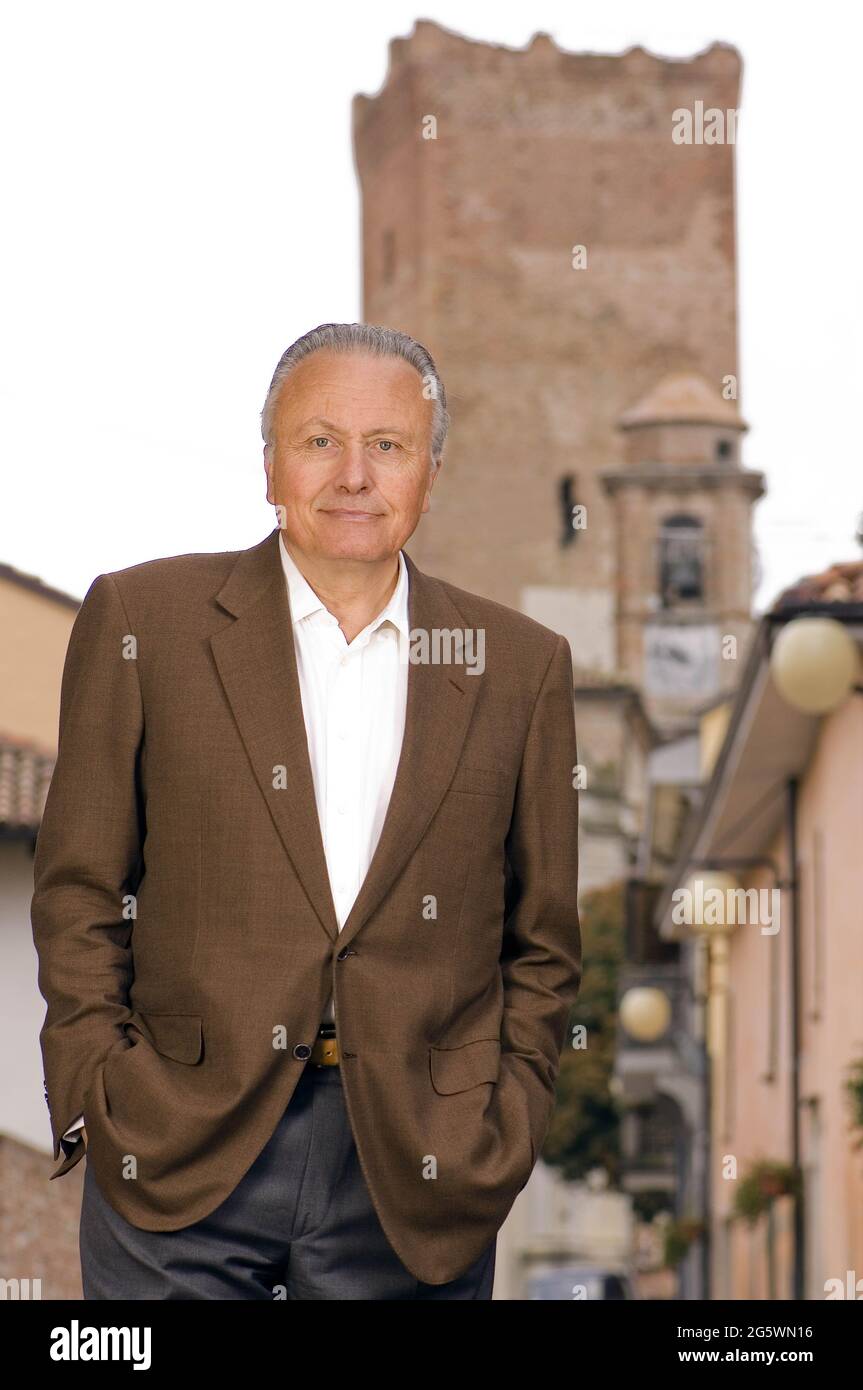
(542,222)
(682,545)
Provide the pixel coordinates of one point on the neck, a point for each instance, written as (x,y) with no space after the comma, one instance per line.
(354,591)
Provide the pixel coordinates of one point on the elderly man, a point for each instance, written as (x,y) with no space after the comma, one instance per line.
(305,885)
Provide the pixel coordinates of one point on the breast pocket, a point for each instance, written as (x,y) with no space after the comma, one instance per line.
(480,781)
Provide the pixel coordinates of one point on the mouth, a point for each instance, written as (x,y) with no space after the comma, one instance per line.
(346,514)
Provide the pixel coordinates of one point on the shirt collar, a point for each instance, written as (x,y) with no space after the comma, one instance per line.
(304,601)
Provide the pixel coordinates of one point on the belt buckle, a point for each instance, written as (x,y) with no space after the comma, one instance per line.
(325,1050)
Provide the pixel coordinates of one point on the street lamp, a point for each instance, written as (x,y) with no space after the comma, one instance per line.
(710,888)
(645,1013)
(814,663)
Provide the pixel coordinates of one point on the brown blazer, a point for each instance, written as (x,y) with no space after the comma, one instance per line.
(186,934)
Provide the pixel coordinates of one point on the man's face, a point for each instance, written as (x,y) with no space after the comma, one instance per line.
(350,466)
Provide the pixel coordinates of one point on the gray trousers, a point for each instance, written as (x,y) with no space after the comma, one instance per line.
(299,1225)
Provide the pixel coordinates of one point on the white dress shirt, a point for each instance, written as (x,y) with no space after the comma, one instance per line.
(354,697)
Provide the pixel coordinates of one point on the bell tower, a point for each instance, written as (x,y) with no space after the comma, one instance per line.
(681,506)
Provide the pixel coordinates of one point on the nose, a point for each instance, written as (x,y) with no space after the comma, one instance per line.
(354,473)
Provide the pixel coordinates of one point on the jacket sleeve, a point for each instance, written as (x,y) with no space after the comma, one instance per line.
(88,855)
(541,960)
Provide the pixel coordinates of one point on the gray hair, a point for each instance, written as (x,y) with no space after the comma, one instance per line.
(369,338)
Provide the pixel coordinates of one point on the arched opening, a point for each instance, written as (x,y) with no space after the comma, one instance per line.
(681,560)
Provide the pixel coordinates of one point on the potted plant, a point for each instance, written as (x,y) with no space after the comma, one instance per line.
(854,1092)
(758,1190)
(679,1237)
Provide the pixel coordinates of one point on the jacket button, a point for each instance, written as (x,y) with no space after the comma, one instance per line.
(302,1052)
(343,954)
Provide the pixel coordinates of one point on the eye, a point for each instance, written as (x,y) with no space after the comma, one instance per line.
(386,445)
(320,439)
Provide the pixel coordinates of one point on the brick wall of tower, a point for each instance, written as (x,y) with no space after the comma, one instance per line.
(467,243)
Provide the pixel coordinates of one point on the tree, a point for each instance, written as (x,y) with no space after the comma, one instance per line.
(585,1128)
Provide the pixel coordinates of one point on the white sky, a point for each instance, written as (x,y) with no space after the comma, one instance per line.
(181,204)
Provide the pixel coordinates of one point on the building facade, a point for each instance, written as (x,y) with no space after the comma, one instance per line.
(532,217)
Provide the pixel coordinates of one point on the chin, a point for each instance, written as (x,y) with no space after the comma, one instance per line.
(365,552)
(352,548)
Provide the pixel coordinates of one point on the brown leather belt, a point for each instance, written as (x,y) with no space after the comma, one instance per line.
(325,1049)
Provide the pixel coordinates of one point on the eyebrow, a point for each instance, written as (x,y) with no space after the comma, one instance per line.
(327,424)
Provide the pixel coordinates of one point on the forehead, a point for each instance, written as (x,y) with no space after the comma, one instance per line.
(353,385)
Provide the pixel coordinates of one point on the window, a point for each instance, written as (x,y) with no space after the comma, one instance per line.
(567,498)
(681,561)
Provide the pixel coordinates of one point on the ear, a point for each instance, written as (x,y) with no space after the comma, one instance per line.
(435,469)
(269,472)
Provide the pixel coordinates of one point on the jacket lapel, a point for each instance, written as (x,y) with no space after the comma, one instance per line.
(256,661)
(257,665)
(440,703)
